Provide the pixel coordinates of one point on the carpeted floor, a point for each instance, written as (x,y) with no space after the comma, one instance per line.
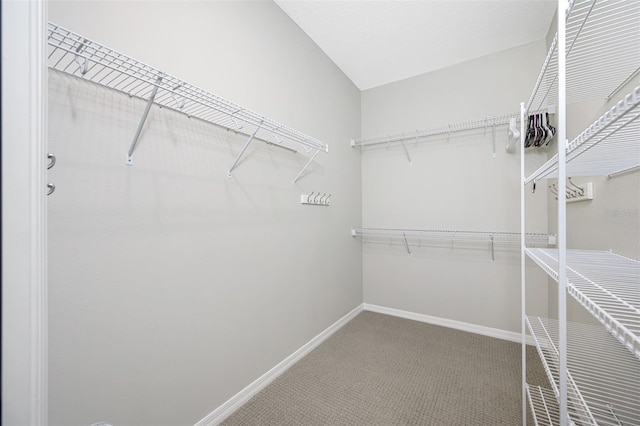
(383,370)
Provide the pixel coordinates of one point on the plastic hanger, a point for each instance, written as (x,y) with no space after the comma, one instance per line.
(552,130)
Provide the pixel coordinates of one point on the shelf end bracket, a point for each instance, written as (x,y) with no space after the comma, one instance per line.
(305,166)
(132,148)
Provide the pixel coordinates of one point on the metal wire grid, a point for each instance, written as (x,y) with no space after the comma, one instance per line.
(608,146)
(445,129)
(604,283)
(449,236)
(544,406)
(76,55)
(450,239)
(608,384)
(550,360)
(603,53)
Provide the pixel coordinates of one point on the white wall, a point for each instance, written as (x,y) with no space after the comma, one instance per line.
(454,184)
(172,287)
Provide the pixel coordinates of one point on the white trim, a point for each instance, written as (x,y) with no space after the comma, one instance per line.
(24,275)
(39,284)
(226,409)
(458,325)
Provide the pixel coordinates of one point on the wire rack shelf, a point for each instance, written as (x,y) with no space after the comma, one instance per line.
(75,54)
(602,389)
(549,356)
(607,147)
(444,129)
(604,283)
(449,238)
(544,406)
(458,235)
(603,53)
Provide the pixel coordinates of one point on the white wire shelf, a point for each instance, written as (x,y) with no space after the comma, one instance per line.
(603,378)
(75,54)
(604,283)
(544,406)
(445,129)
(548,352)
(448,238)
(603,53)
(609,146)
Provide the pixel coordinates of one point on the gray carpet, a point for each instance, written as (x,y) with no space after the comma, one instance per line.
(383,370)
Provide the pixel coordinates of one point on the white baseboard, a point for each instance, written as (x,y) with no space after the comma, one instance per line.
(226,409)
(458,325)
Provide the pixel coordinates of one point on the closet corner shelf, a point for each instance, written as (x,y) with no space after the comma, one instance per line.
(601,389)
(605,284)
(74,54)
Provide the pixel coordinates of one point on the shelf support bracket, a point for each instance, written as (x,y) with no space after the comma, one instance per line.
(305,166)
(244,148)
(142,121)
(406,243)
(493,255)
(406,151)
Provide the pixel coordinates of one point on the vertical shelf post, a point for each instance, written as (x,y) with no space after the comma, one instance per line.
(562,209)
(523,297)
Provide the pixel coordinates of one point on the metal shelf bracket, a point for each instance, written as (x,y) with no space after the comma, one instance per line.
(145,114)
(244,148)
(406,243)
(305,166)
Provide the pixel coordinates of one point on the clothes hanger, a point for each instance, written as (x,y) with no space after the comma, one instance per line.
(530,133)
(514,135)
(542,132)
(551,129)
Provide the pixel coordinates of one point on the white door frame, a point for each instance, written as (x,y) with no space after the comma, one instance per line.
(24,256)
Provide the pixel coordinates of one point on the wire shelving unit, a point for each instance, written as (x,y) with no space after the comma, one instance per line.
(603,389)
(544,406)
(79,56)
(604,283)
(602,53)
(594,371)
(607,147)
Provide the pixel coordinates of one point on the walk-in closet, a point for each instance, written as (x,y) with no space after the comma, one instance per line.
(274,212)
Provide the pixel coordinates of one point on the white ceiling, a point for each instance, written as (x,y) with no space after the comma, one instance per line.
(378,42)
